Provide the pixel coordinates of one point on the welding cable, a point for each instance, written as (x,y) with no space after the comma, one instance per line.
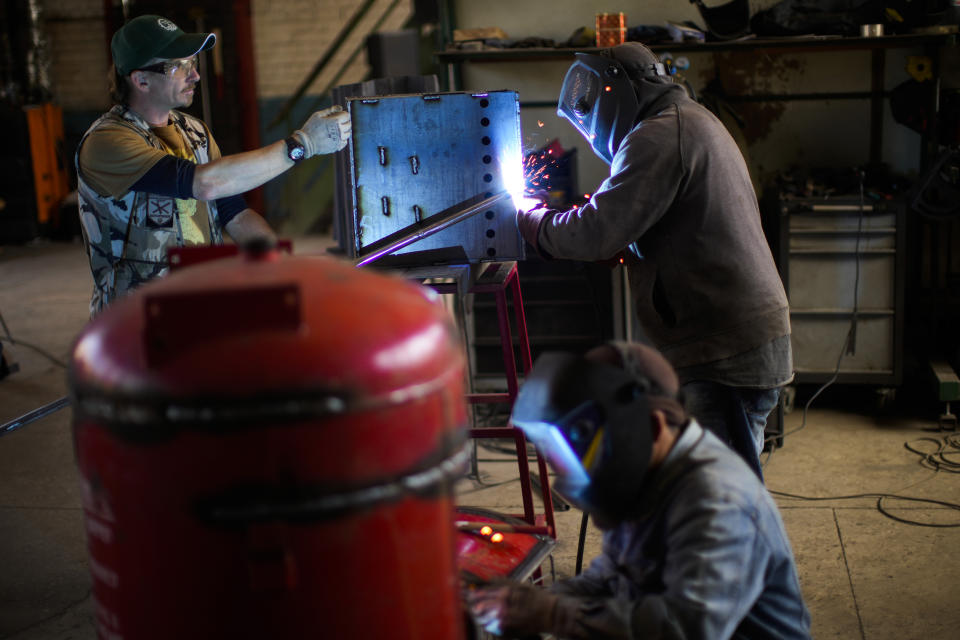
(46,354)
(849,343)
(581,543)
(938,460)
(880,498)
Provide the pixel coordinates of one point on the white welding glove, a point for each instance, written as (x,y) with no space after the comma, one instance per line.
(325,131)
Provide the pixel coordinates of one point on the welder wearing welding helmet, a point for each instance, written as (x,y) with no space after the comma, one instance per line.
(693,545)
(680,210)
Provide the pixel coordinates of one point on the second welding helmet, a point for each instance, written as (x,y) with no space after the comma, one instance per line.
(599,94)
(591,422)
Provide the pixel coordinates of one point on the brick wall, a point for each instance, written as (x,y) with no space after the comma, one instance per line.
(79,67)
(292,35)
(78,53)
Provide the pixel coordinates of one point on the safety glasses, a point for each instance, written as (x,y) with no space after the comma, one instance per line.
(182,67)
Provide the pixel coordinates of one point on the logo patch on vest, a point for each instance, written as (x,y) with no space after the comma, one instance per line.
(160,213)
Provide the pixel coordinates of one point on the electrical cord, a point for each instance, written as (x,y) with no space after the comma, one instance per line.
(581,543)
(46,354)
(849,343)
(937,461)
(880,498)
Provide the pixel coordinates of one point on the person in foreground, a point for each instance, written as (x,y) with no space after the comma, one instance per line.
(151,177)
(693,544)
(680,208)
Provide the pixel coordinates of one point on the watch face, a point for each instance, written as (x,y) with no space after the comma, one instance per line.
(294,150)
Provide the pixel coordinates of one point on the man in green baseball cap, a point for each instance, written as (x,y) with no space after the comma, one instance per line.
(151,177)
(147,37)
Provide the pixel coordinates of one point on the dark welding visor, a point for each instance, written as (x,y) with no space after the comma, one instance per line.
(590,421)
(599,100)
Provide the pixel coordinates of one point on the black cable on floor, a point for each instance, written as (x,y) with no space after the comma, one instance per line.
(46,354)
(938,460)
(581,543)
(880,498)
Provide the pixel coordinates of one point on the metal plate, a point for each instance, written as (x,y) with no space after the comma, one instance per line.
(414,156)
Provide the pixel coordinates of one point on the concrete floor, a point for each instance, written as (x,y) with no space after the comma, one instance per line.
(864,575)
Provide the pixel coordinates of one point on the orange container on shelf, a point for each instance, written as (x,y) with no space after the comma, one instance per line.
(611,29)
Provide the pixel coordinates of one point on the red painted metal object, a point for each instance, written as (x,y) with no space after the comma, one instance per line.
(267,447)
(180,257)
(483,556)
(497,279)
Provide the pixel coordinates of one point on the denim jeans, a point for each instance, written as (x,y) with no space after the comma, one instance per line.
(736,415)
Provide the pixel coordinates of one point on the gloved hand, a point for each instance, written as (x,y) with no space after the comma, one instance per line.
(325,131)
(529,223)
(513,609)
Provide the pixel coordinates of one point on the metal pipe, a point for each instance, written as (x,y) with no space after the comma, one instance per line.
(433,224)
(36,414)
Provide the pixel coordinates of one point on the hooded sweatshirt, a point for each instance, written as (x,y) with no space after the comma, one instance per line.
(702,276)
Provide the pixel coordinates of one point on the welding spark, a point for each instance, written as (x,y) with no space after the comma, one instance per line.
(535,167)
(540,123)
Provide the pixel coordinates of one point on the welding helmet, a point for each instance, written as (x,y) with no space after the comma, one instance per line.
(600,94)
(591,422)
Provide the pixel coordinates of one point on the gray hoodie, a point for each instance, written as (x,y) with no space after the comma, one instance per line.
(706,287)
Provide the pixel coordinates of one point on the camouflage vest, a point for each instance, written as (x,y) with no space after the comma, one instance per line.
(127,238)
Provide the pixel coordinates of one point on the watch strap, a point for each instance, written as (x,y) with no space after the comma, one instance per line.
(295,149)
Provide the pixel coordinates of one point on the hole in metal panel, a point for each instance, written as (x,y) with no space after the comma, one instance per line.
(382,152)
(487,177)
(491,233)
(487,159)
(415,164)
(488,194)
(491,252)
(484,103)
(385,205)
(485,122)
(489,215)
(417,213)
(485,139)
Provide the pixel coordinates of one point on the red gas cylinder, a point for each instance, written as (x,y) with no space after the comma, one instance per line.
(267,448)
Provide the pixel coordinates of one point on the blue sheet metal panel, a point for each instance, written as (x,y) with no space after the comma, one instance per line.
(414,156)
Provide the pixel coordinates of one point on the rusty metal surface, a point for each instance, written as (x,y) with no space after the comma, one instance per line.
(415,156)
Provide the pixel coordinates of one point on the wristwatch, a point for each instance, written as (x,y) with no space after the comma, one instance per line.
(295,150)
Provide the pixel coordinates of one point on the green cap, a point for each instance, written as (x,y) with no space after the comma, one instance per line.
(147,37)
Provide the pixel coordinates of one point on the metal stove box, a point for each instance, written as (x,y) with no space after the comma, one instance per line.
(414,157)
